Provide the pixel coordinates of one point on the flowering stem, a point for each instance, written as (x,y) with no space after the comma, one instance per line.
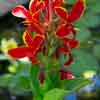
(34,83)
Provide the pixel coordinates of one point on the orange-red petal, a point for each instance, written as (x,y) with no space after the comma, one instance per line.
(64,49)
(62,12)
(58,3)
(72,42)
(33,5)
(65,74)
(37,42)
(35,28)
(64,30)
(70,59)
(36,45)
(19,52)
(21,11)
(36,16)
(34,60)
(28,40)
(77,10)
(40,5)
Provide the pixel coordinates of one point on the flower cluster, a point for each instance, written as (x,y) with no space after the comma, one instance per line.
(54,28)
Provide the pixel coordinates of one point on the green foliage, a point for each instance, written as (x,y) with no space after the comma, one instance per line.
(55,94)
(67,86)
(96,50)
(16,84)
(83,61)
(75,84)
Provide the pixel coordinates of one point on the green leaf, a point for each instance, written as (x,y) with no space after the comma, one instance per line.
(19,85)
(83,35)
(95,8)
(83,61)
(56,94)
(96,50)
(23,68)
(16,84)
(75,84)
(5,80)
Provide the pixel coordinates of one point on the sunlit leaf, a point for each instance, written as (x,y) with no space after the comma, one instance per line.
(83,61)
(56,94)
(75,84)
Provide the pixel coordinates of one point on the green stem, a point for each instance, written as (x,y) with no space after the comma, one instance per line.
(34,83)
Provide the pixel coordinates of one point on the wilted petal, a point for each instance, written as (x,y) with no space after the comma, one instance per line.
(19,52)
(21,11)
(62,12)
(77,10)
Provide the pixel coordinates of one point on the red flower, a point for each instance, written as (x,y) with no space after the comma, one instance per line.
(32,47)
(34,7)
(49,8)
(64,30)
(31,16)
(75,13)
